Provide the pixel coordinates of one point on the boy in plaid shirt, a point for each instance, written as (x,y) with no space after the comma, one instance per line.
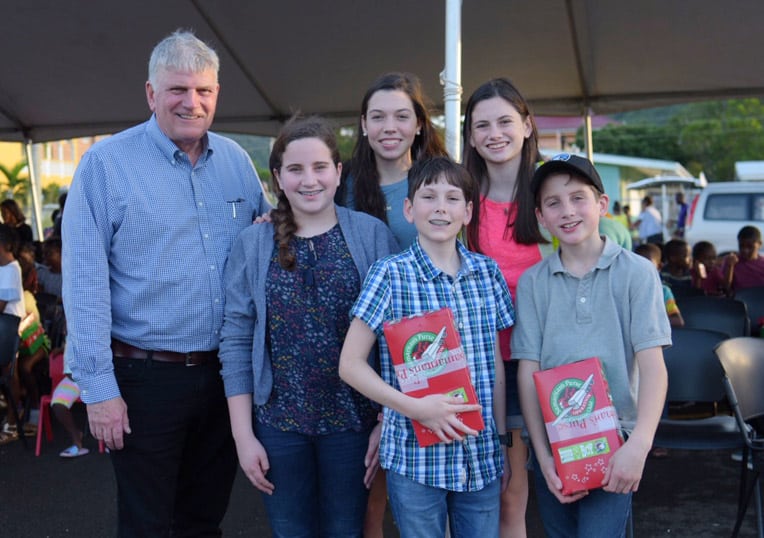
(461,476)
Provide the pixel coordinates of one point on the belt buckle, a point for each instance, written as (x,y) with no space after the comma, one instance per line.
(189,358)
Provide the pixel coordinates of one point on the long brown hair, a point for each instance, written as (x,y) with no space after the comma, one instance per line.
(522,221)
(362,167)
(284,225)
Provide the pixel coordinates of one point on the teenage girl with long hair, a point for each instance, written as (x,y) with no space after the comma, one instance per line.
(290,284)
(501,153)
(394,130)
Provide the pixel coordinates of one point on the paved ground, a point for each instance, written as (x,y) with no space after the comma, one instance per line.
(688,494)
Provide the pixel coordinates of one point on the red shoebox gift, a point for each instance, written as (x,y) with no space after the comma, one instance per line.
(428,357)
(581,422)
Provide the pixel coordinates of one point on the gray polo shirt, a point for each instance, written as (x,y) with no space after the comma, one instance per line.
(612,312)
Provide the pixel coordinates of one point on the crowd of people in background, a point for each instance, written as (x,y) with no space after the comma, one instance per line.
(685,268)
(30,288)
(205,326)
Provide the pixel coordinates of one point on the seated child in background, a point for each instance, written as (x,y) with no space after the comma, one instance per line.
(49,272)
(653,253)
(677,271)
(706,271)
(34,344)
(64,395)
(745,269)
(590,299)
(11,302)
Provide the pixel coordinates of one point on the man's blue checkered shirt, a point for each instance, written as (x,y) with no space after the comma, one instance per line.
(146,236)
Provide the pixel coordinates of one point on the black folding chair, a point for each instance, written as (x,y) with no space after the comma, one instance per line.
(687,291)
(694,375)
(9,346)
(722,314)
(754,302)
(743,362)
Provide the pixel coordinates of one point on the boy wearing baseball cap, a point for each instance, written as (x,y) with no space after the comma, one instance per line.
(591,298)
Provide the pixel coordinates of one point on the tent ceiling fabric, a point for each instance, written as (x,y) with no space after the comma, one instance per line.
(73,68)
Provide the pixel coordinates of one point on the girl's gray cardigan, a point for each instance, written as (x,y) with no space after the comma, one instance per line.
(244,356)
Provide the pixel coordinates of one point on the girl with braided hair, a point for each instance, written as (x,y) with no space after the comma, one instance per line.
(290,284)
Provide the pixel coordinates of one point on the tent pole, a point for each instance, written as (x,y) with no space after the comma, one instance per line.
(451,78)
(35,187)
(588,134)
(664,212)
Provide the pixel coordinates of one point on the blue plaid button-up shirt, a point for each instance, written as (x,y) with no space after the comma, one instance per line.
(408,283)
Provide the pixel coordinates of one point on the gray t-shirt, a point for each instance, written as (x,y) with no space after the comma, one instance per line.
(611,313)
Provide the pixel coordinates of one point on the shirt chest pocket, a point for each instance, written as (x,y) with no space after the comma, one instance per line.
(229,216)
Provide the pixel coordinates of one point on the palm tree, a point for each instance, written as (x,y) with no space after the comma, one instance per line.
(15,186)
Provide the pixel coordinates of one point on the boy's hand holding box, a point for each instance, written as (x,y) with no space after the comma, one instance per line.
(581,422)
(429,359)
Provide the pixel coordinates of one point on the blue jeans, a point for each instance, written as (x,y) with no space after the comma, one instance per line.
(598,515)
(318,483)
(420,510)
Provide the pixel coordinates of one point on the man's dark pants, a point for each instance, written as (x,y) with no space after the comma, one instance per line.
(175,474)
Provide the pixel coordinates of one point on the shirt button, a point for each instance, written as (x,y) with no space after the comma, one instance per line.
(206,236)
(582,299)
(217,301)
(212,267)
(201,204)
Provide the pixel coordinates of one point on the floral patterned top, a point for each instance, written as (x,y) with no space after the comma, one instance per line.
(308,317)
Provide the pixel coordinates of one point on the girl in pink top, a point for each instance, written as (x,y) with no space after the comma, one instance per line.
(501,152)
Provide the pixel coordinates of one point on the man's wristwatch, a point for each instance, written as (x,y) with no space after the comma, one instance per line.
(505,438)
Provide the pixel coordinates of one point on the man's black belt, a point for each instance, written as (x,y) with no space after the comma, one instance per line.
(193,358)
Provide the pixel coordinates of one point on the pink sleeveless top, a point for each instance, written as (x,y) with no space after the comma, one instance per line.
(497,242)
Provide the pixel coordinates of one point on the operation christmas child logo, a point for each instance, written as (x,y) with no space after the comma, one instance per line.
(572,398)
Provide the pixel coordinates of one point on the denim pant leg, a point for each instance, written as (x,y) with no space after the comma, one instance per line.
(318,483)
(475,513)
(166,405)
(419,510)
(598,515)
(341,490)
(293,507)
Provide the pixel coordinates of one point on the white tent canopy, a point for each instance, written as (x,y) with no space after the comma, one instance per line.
(75,68)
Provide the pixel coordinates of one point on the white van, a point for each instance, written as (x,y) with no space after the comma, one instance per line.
(721,209)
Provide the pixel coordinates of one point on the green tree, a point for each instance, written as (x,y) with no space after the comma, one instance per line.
(708,136)
(713,136)
(50,193)
(15,185)
(346,142)
(641,140)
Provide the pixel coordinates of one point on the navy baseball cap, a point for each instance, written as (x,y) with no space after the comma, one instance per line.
(572,164)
